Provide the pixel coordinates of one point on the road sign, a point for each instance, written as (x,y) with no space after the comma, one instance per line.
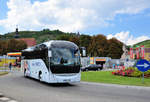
(143,65)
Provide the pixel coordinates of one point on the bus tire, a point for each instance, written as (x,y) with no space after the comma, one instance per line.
(40,77)
(25,74)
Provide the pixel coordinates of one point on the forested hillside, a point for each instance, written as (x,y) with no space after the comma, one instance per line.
(96,46)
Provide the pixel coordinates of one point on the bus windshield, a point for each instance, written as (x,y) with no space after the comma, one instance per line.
(65,56)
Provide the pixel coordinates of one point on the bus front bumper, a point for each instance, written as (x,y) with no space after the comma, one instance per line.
(67,78)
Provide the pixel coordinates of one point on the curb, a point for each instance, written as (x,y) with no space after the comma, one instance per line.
(117,86)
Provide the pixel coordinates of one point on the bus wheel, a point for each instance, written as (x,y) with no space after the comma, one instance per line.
(25,73)
(40,75)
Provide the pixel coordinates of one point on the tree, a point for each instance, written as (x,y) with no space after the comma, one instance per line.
(3,47)
(85,40)
(12,46)
(98,46)
(64,37)
(21,45)
(75,40)
(115,48)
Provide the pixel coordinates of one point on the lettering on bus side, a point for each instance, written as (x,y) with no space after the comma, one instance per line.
(36,63)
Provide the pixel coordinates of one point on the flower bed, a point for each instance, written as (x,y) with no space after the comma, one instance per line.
(131,72)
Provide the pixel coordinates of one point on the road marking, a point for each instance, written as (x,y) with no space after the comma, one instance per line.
(1,94)
(12,101)
(4,99)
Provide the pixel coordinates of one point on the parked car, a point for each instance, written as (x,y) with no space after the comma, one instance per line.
(92,67)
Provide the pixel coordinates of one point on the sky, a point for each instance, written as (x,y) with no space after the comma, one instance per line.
(127,20)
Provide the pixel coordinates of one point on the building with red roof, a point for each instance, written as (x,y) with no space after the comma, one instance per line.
(29,41)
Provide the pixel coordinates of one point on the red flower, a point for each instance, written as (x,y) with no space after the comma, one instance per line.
(113,73)
(123,73)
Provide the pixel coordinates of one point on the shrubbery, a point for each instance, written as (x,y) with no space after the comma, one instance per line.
(131,72)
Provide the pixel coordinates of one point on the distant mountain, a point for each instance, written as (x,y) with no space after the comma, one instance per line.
(146,44)
(40,36)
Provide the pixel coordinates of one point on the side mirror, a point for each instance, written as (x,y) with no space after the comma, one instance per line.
(84,52)
(49,53)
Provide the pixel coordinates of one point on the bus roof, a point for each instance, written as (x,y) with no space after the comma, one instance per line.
(53,43)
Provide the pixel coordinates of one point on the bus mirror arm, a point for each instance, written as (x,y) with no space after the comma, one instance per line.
(49,53)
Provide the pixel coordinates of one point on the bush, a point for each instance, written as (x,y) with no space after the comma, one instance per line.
(124,72)
(136,73)
(131,72)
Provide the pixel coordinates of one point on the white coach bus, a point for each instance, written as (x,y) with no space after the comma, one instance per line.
(52,62)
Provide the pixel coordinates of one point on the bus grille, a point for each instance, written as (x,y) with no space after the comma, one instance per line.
(59,69)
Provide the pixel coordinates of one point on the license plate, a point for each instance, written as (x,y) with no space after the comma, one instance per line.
(67,80)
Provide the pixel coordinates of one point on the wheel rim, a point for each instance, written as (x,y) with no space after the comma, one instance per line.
(40,76)
(25,74)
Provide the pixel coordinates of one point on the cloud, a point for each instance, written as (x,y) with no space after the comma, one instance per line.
(127,38)
(69,16)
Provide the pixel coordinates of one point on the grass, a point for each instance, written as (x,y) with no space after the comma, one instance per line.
(3,73)
(107,77)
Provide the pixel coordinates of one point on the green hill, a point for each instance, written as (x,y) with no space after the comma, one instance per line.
(96,45)
(146,44)
(46,34)
(40,36)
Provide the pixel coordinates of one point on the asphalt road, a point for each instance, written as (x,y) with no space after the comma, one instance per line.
(22,89)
